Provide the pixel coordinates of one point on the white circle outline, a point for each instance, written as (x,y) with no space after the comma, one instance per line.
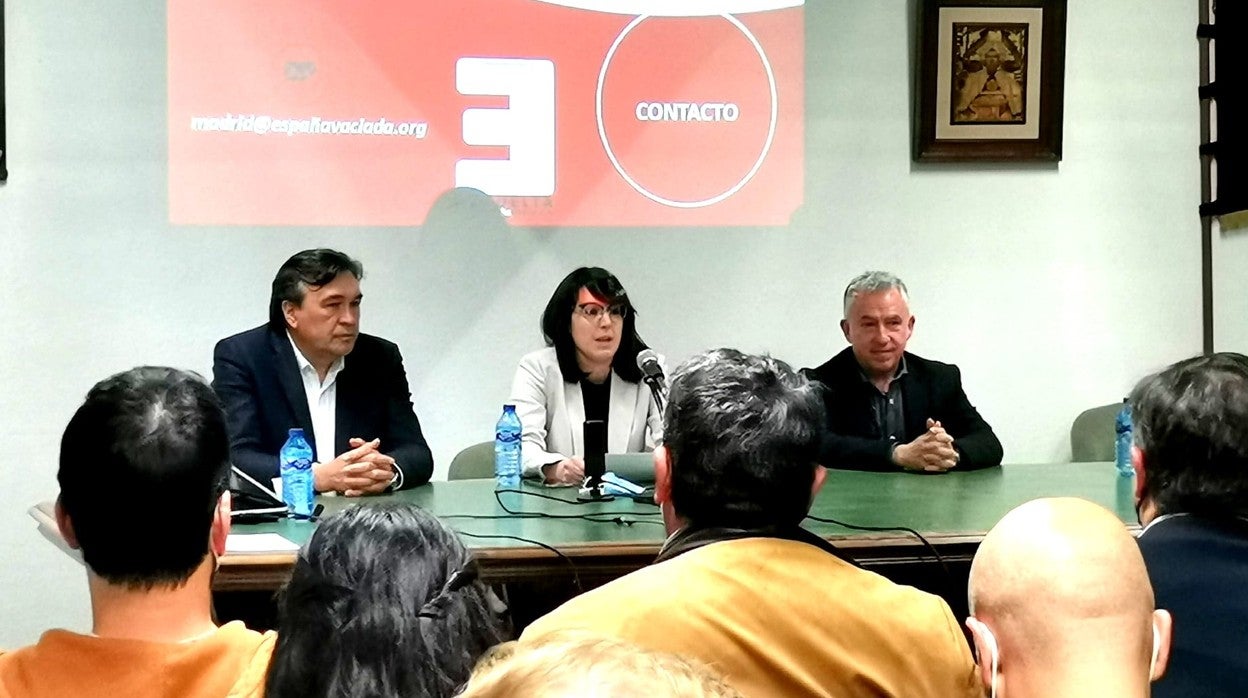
(602,131)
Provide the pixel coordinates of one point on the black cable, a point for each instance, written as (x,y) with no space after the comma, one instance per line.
(593,518)
(621,521)
(576,577)
(884,529)
(541,496)
(544,515)
(615,517)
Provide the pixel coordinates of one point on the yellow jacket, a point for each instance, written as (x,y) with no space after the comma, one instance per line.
(231,662)
(782,618)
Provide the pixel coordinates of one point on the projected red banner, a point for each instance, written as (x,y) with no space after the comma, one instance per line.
(295,112)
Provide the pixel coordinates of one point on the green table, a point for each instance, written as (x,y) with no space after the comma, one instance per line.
(953,511)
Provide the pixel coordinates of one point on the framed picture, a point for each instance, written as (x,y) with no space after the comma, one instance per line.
(989,80)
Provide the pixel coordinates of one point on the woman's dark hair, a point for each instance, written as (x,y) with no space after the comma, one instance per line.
(557,323)
(383,601)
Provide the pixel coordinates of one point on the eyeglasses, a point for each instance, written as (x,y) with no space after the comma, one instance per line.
(594,311)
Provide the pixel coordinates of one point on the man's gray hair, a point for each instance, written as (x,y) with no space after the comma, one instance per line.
(743,434)
(873,282)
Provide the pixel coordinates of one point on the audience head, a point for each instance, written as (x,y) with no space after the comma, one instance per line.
(316,297)
(383,601)
(583,666)
(590,319)
(1191,438)
(1059,598)
(157,437)
(877,321)
(741,440)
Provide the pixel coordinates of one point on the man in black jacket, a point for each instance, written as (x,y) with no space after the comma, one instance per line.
(1191,489)
(311,368)
(889,409)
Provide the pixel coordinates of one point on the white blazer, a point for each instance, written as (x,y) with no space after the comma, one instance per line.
(552,412)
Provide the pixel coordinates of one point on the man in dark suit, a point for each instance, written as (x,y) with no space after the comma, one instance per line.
(311,368)
(1191,489)
(889,409)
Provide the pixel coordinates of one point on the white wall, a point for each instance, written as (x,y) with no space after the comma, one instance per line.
(1054,291)
(1230,300)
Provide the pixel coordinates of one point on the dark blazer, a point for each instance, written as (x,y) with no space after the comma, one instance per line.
(1198,568)
(929,389)
(257,379)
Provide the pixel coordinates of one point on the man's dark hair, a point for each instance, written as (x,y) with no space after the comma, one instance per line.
(306,270)
(1191,422)
(743,436)
(557,323)
(383,601)
(143,463)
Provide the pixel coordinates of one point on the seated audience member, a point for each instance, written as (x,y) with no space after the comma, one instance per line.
(739,585)
(383,601)
(155,437)
(588,371)
(311,368)
(1061,606)
(889,409)
(578,665)
(1191,489)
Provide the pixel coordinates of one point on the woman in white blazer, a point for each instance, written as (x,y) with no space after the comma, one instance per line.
(588,370)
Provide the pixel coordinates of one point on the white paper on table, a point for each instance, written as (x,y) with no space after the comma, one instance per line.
(258,544)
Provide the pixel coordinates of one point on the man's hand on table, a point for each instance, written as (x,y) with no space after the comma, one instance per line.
(359,471)
(931,452)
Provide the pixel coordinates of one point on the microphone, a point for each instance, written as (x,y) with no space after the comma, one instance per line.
(652,374)
(651,371)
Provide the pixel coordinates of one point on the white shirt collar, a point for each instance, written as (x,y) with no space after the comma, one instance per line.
(1158,520)
(305,365)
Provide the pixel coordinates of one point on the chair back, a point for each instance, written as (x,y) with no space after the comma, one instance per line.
(474,462)
(1092,435)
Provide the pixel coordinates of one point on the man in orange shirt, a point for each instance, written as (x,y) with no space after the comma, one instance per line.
(740,585)
(155,436)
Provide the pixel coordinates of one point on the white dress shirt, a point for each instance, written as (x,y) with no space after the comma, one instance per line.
(323,405)
(322,401)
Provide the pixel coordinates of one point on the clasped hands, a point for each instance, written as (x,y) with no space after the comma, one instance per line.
(359,471)
(931,452)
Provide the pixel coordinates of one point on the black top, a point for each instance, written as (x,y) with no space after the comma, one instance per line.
(597,398)
(930,390)
(1198,568)
(889,407)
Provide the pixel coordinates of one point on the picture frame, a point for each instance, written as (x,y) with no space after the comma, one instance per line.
(989,79)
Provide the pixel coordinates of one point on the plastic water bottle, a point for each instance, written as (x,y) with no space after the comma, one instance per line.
(507,450)
(295,467)
(1122,442)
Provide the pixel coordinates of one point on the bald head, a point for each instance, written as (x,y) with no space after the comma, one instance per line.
(1061,582)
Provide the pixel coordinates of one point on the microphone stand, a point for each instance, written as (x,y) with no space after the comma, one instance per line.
(591,490)
(595,462)
(658,391)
